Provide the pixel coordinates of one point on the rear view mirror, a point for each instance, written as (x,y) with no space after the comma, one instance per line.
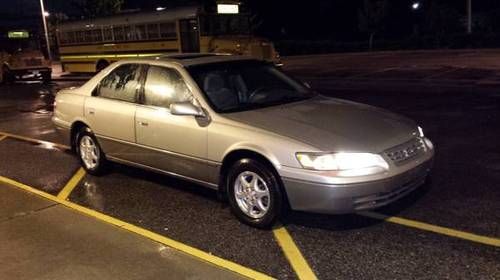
(186,109)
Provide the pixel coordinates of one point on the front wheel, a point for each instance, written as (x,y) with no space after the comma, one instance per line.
(90,153)
(254,193)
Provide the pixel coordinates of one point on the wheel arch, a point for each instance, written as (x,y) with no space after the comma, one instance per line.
(75,127)
(241,153)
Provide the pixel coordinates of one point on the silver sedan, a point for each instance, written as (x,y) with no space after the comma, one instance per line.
(244,128)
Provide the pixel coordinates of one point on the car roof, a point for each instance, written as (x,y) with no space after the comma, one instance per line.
(191,59)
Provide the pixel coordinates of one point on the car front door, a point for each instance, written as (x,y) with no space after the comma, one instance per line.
(172,143)
(110,110)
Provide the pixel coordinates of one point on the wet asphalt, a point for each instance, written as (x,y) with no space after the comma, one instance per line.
(462,193)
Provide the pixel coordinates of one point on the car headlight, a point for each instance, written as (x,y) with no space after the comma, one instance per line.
(420,132)
(345,164)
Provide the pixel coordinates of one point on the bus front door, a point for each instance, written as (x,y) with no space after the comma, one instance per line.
(189,33)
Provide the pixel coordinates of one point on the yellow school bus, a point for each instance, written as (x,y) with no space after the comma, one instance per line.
(90,45)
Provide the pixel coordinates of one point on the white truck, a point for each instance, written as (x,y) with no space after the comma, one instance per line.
(21,58)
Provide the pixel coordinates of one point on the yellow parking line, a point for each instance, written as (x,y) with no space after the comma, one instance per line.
(2,137)
(229,265)
(72,183)
(33,140)
(436,229)
(293,254)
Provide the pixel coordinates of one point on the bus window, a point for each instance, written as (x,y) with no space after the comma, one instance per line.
(140,32)
(129,35)
(108,34)
(224,25)
(97,35)
(153,31)
(88,36)
(118,31)
(63,37)
(167,30)
(80,36)
(71,37)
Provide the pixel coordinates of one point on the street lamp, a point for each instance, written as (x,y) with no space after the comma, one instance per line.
(469,16)
(416,5)
(47,41)
(160,8)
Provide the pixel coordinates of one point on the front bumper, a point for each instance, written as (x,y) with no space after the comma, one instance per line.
(347,198)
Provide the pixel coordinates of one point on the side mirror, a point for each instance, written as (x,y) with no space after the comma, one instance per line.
(186,109)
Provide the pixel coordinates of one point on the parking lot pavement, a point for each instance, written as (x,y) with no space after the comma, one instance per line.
(449,228)
(26,109)
(184,212)
(42,239)
(42,166)
(437,67)
(354,247)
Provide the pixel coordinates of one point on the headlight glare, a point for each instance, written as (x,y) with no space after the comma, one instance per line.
(420,132)
(348,164)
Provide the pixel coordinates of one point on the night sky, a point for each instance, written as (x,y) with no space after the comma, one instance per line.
(281,19)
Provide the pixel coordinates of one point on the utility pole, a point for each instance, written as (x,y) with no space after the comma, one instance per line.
(469,16)
(45,29)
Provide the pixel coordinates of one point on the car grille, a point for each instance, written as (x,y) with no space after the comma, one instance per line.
(406,151)
(33,62)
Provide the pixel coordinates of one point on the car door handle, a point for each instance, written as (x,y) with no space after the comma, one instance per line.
(143,123)
(91,111)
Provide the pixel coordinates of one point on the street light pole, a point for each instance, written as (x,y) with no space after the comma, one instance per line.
(45,29)
(469,16)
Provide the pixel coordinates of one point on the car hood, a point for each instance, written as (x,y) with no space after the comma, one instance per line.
(330,124)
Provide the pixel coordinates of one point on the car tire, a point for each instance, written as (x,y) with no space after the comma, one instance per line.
(254,193)
(91,156)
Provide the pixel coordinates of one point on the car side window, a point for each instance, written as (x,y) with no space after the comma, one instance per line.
(165,86)
(123,83)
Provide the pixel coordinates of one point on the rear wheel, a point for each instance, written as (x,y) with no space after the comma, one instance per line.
(101,65)
(90,153)
(254,193)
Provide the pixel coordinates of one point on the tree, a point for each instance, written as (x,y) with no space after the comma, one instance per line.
(97,8)
(372,17)
(442,20)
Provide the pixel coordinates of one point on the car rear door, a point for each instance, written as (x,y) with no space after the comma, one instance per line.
(110,110)
(172,143)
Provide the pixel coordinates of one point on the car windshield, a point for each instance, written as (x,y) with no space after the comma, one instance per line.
(246,85)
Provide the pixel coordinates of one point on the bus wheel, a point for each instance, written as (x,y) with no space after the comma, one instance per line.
(101,65)
(7,75)
(46,77)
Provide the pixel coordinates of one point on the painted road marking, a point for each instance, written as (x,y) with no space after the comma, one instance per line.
(401,221)
(3,137)
(229,265)
(293,254)
(72,183)
(436,229)
(32,140)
